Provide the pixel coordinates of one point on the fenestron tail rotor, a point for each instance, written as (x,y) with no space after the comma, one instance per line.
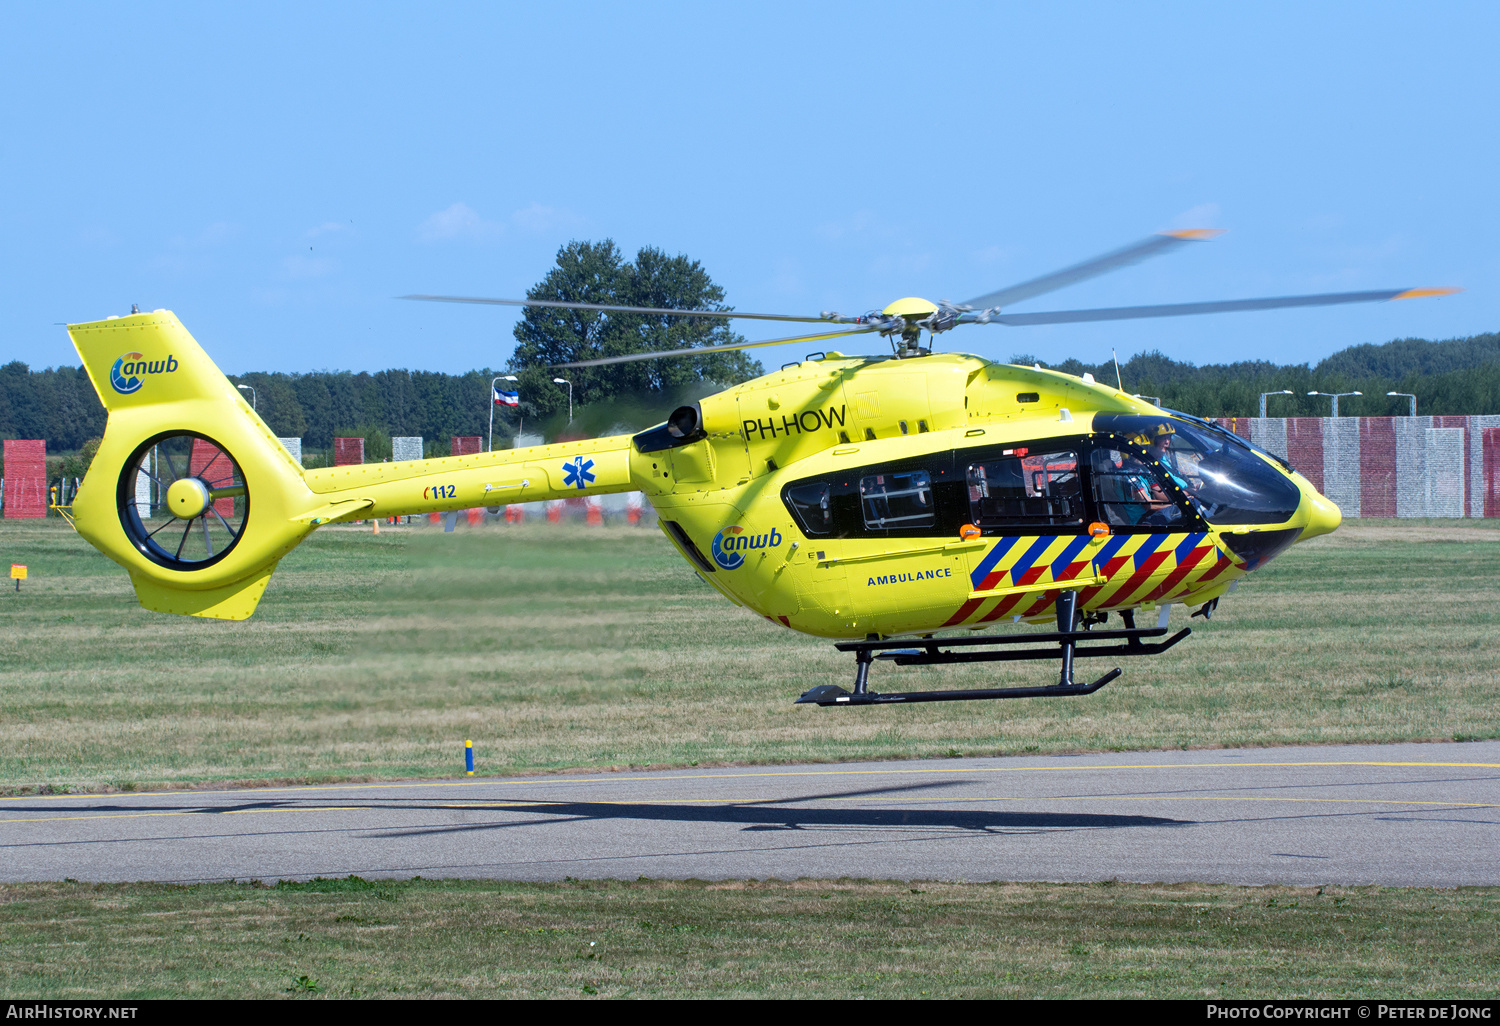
(908,318)
(182,500)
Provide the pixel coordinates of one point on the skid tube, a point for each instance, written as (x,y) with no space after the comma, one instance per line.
(936,652)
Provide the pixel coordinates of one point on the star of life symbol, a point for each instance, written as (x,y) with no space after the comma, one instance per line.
(578,473)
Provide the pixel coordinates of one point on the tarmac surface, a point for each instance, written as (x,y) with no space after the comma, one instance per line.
(1398,815)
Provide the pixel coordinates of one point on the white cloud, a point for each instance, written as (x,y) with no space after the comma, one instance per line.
(299,266)
(543,220)
(1375,252)
(460,221)
(904,265)
(328,228)
(192,254)
(1324,224)
(859,221)
(992,254)
(218,233)
(98,238)
(215,234)
(1204,215)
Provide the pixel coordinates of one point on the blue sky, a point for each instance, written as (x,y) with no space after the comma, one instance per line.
(277,174)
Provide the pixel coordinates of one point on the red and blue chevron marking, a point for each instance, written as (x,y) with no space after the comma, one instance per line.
(981,576)
(1124,575)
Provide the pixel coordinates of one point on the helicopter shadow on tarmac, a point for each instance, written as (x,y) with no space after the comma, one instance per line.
(774,814)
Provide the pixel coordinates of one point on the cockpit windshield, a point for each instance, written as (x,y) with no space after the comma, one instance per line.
(1219,431)
(1222,476)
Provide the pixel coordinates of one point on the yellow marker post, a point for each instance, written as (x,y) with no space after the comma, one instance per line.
(18,574)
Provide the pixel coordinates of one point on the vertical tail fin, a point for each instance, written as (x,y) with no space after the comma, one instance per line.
(184,458)
(193,494)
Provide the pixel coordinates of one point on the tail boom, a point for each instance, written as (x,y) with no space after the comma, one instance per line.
(593,467)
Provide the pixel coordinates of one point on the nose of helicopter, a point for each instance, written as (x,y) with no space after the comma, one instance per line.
(1323,516)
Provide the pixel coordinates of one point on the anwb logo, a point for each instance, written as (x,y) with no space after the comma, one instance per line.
(729,545)
(126,375)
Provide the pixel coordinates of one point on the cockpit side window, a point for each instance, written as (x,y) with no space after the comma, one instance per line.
(1223,479)
(1128,493)
(1026,490)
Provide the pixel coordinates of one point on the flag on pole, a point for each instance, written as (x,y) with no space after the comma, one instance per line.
(506,398)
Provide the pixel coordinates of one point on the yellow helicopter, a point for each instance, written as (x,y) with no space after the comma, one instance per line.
(902,504)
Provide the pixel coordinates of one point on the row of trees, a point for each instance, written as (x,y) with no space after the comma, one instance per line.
(1458,376)
(60,405)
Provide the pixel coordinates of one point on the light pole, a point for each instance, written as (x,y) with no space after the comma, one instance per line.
(251,390)
(1263,395)
(493,404)
(565,381)
(1409,396)
(1335,397)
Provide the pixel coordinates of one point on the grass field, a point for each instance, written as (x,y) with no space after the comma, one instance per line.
(376,657)
(557,647)
(353,938)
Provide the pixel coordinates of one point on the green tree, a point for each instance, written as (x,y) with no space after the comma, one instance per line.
(589,272)
(77,465)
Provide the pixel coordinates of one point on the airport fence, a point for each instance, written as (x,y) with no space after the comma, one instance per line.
(1369,466)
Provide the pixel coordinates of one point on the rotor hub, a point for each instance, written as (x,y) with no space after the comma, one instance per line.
(188,498)
(912,308)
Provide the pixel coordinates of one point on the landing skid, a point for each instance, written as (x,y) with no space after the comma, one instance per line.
(949,651)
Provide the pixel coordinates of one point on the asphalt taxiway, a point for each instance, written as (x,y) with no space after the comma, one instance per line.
(1399,815)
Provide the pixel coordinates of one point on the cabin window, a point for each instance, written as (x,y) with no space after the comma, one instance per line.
(809,504)
(1026,490)
(901,500)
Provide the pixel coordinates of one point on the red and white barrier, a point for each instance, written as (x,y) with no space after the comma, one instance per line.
(25,477)
(348,452)
(1389,466)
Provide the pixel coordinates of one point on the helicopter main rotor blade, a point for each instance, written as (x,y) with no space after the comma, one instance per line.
(606,308)
(701,350)
(1150,246)
(1127,313)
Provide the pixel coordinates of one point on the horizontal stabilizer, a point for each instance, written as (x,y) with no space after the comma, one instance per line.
(231,602)
(340,510)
